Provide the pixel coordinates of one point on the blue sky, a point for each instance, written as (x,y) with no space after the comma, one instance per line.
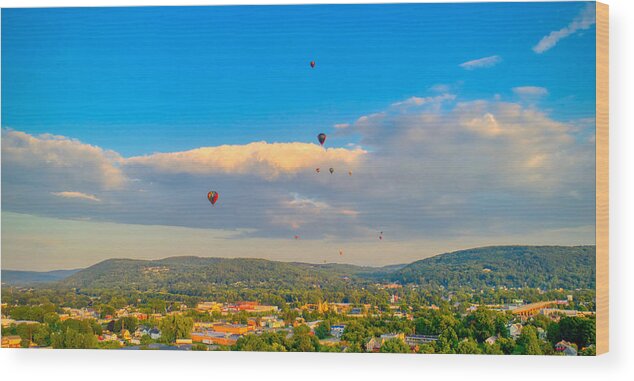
(90,93)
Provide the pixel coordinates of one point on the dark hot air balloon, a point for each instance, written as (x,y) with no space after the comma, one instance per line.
(322,138)
(212,197)
(312,64)
(331,170)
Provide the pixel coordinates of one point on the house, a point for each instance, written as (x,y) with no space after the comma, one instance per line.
(491,340)
(141,331)
(11,341)
(154,333)
(125,334)
(337,330)
(566,348)
(373,345)
(515,330)
(183,341)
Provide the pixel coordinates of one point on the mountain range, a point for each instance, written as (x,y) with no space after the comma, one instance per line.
(547,267)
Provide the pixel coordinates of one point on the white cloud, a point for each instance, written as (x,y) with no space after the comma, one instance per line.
(583,21)
(79,195)
(268,160)
(419,101)
(58,160)
(481,63)
(531,91)
(342,125)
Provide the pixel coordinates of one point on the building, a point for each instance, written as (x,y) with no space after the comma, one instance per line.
(515,330)
(491,340)
(237,329)
(415,340)
(337,330)
(213,337)
(566,348)
(208,307)
(374,345)
(154,333)
(11,341)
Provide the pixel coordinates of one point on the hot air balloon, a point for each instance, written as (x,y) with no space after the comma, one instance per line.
(296,237)
(212,197)
(317,170)
(331,170)
(341,252)
(322,138)
(312,64)
(349,173)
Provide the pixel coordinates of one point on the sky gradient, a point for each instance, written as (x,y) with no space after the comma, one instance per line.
(462,125)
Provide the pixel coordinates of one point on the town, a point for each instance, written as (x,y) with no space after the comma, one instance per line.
(455,324)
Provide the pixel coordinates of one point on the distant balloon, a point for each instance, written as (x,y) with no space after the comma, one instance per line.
(312,64)
(381,236)
(296,237)
(317,170)
(349,173)
(331,170)
(341,252)
(212,197)
(322,138)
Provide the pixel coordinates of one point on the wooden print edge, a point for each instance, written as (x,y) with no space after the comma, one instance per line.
(602,178)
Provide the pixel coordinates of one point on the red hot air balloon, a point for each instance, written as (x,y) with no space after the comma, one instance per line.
(312,64)
(322,138)
(212,197)
(296,237)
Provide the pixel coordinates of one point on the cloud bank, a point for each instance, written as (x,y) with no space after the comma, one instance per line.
(268,160)
(431,167)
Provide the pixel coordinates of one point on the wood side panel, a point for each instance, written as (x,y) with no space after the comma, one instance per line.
(602,176)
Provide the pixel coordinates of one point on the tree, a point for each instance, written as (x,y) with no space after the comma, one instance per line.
(507,345)
(482,322)
(394,346)
(323,329)
(303,341)
(581,331)
(175,327)
(252,343)
(468,347)
(106,310)
(528,342)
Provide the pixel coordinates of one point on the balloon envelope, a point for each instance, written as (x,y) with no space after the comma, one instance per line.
(322,138)
(331,170)
(312,64)
(212,197)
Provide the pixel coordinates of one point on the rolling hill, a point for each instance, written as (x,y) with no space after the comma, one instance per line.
(546,267)
(18,277)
